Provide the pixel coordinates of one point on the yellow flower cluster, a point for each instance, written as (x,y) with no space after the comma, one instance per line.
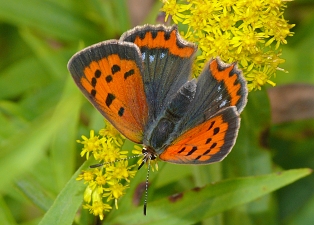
(247,31)
(106,182)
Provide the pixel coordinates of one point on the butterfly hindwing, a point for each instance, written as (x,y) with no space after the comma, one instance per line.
(219,86)
(109,75)
(167,63)
(207,142)
(230,84)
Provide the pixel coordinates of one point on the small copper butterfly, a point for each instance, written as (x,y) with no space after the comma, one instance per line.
(140,83)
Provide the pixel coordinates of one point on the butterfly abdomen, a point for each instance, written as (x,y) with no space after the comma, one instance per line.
(175,110)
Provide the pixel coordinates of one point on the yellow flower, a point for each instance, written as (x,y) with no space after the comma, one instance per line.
(258,78)
(100,179)
(171,6)
(110,131)
(121,171)
(90,144)
(88,193)
(115,191)
(109,152)
(98,208)
(107,181)
(87,176)
(247,31)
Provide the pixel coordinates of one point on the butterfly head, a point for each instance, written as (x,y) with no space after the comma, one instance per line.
(148,154)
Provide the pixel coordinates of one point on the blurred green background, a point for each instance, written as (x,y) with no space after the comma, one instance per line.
(42,114)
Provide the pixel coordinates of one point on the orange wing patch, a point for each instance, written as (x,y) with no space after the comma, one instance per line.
(206,143)
(163,39)
(229,78)
(112,82)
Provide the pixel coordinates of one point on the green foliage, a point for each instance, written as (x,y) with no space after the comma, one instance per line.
(42,113)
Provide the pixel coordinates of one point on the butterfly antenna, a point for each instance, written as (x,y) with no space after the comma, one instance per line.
(146,187)
(96,165)
(140,166)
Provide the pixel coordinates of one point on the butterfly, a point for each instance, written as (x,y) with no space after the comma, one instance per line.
(142,85)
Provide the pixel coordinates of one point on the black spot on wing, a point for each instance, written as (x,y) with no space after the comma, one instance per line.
(108,78)
(109,99)
(213,145)
(93,92)
(192,151)
(94,82)
(97,73)
(121,111)
(129,73)
(182,150)
(211,125)
(208,140)
(115,69)
(216,130)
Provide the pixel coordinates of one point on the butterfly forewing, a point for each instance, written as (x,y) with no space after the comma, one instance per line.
(167,63)
(109,75)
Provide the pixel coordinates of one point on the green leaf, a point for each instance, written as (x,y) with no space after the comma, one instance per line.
(34,192)
(26,148)
(305,215)
(198,204)
(67,203)
(296,138)
(250,157)
(49,18)
(6,216)
(23,75)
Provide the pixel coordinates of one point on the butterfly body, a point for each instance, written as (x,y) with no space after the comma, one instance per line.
(159,134)
(141,84)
